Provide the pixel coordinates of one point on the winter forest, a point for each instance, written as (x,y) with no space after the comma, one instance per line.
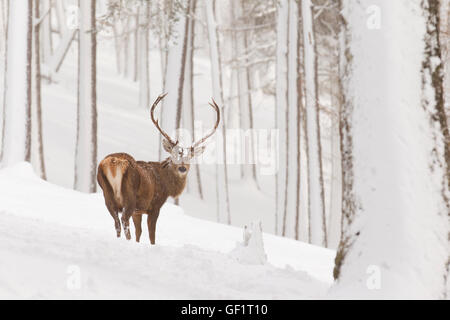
(327,174)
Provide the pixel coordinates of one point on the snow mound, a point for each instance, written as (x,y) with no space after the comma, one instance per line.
(251,251)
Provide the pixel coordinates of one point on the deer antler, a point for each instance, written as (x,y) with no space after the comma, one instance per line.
(216,108)
(155,122)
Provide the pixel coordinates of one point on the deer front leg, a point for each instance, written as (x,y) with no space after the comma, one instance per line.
(137,220)
(151,223)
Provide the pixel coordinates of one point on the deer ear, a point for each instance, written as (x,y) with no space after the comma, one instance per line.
(198,151)
(167,146)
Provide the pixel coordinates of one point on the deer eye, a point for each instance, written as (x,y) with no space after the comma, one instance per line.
(182,169)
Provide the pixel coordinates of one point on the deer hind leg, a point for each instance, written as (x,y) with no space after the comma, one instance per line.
(137,220)
(151,223)
(128,200)
(109,198)
(126,215)
(115,214)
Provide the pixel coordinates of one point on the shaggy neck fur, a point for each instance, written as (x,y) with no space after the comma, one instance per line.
(174,182)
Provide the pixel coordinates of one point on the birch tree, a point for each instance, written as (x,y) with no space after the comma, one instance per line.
(395,182)
(86,143)
(17,123)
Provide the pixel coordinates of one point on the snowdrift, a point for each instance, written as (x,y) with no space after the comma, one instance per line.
(58,243)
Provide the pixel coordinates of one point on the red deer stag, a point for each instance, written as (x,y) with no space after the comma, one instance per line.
(138,187)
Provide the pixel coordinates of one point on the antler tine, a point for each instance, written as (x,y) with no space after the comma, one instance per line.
(156,123)
(216,108)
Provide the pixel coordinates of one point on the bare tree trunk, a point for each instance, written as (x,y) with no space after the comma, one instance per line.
(281,110)
(301,188)
(17,130)
(126,47)
(86,144)
(37,89)
(60,6)
(335,214)
(5,68)
(136,44)
(46,34)
(317,216)
(386,191)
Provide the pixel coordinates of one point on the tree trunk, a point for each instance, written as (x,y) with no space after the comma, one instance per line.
(301,201)
(317,218)
(5,13)
(86,144)
(292,201)
(61,17)
(281,110)
(334,225)
(136,44)
(46,34)
(38,150)
(395,206)
(17,130)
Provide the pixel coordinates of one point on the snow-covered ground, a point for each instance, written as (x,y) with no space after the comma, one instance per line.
(59,243)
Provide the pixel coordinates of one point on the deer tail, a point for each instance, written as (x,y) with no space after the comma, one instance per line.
(111,172)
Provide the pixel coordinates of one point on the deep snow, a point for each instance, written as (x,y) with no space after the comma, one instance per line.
(51,236)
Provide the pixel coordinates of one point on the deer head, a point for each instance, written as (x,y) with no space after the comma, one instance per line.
(180,157)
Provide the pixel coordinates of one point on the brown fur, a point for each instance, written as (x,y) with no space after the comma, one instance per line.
(144,188)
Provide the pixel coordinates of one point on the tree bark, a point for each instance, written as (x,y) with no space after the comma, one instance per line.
(17,129)
(86,144)
(317,219)
(5,69)
(395,207)
(281,102)
(38,99)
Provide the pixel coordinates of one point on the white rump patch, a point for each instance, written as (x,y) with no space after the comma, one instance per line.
(115,182)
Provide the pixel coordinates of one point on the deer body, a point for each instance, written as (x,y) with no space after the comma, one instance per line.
(135,187)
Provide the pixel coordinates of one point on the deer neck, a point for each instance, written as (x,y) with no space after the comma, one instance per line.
(174,182)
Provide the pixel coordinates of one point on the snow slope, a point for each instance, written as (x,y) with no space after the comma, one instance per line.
(123,126)
(51,237)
